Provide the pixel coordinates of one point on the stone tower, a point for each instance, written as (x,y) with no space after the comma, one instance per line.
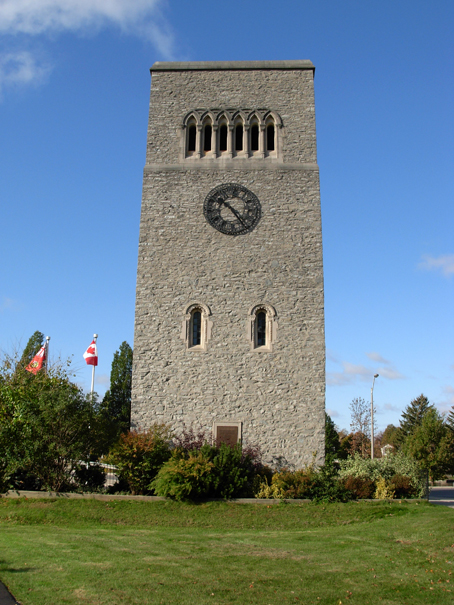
(229,325)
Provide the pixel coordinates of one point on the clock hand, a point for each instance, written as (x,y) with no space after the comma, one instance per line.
(235,212)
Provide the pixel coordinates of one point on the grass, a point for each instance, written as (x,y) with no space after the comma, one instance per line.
(129,552)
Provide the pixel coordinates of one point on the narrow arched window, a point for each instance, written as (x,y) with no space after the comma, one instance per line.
(207,138)
(254,137)
(270,137)
(261,329)
(223,138)
(239,137)
(192,132)
(196,337)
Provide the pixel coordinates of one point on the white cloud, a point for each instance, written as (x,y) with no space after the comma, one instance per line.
(332,413)
(374,356)
(40,16)
(353,373)
(390,373)
(21,68)
(9,304)
(447,399)
(331,356)
(389,407)
(444,263)
(25,19)
(102,379)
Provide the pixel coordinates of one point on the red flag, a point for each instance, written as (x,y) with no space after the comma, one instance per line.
(38,360)
(91,354)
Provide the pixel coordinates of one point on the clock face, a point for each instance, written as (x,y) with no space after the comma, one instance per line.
(232,209)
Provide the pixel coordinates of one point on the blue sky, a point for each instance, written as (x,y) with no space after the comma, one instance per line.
(74,87)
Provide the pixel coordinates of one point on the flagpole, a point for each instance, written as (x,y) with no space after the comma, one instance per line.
(47,354)
(95,337)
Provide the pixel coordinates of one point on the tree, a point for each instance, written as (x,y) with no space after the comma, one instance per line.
(35,342)
(432,444)
(47,425)
(345,440)
(332,443)
(360,424)
(450,419)
(390,436)
(413,416)
(116,404)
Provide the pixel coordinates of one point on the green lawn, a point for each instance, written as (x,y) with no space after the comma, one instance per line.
(120,552)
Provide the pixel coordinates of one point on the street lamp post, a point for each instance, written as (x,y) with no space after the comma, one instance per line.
(372,418)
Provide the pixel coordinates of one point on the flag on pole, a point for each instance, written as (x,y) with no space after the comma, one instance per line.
(38,360)
(91,354)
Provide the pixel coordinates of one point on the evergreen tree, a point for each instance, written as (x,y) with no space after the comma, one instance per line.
(450,419)
(117,400)
(413,416)
(332,443)
(35,342)
(432,444)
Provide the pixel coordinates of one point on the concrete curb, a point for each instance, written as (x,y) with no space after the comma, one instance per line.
(106,497)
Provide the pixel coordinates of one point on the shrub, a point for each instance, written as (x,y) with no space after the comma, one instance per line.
(184,478)
(327,487)
(384,489)
(90,478)
(191,439)
(263,489)
(210,472)
(359,487)
(402,486)
(294,484)
(139,456)
(385,467)
(318,484)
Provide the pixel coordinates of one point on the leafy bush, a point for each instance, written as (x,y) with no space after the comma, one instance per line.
(191,439)
(318,484)
(402,486)
(184,478)
(359,487)
(294,484)
(326,486)
(90,478)
(210,472)
(384,489)
(263,489)
(386,467)
(139,456)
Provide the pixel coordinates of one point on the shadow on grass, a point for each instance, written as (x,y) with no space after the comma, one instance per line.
(4,567)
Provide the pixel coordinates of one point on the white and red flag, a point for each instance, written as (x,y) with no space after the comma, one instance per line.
(91,354)
(38,360)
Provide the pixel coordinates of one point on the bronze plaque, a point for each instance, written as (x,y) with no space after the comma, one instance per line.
(227,434)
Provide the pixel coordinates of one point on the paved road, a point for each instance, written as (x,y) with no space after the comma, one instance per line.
(5,597)
(442,495)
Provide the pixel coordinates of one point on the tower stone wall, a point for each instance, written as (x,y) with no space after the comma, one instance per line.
(273,394)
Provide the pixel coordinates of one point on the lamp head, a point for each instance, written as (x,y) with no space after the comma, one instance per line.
(375,375)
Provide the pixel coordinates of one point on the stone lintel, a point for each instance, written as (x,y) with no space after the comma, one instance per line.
(229,65)
(231,165)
